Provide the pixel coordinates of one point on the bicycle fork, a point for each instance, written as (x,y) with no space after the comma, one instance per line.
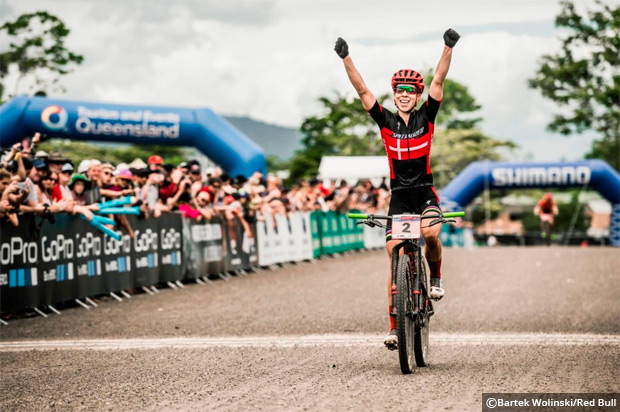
(411,250)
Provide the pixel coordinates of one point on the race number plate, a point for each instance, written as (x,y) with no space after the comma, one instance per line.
(406,227)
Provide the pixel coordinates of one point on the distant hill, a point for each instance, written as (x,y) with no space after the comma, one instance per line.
(275,140)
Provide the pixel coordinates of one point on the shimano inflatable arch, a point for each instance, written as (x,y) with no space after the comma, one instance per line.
(593,174)
(74,120)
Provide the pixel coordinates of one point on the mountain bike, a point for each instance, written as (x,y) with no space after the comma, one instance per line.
(411,305)
(546,234)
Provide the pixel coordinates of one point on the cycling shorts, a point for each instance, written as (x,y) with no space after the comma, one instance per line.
(418,200)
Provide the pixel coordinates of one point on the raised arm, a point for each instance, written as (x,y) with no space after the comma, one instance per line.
(450,37)
(368,99)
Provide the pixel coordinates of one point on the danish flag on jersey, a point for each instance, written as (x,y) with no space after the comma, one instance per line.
(408,146)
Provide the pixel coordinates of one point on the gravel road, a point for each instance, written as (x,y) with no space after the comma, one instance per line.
(308,337)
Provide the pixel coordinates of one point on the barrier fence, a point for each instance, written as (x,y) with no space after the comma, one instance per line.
(42,263)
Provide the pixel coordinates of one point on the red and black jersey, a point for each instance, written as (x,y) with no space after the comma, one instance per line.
(408,146)
(546,206)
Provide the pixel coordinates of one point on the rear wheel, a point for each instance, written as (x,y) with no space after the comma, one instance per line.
(547,232)
(404,319)
(420,340)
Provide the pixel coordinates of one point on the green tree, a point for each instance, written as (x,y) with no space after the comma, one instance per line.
(345,129)
(36,51)
(457,111)
(583,77)
(454,149)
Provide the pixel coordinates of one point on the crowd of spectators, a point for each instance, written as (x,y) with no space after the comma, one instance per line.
(46,184)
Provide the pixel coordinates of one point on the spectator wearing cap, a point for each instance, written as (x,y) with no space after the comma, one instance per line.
(79,189)
(34,202)
(155,160)
(61,190)
(35,173)
(83,167)
(124,183)
(56,160)
(41,155)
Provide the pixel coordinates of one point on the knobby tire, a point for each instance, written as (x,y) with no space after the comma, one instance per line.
(404,321)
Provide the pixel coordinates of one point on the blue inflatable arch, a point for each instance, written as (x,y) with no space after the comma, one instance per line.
(74,120)
(593,174)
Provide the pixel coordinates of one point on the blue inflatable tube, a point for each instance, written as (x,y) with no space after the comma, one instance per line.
(592,174)
(75,120)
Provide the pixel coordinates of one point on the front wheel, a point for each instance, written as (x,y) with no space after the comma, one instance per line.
(404,314)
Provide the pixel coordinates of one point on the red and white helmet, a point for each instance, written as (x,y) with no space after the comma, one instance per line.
(408,76)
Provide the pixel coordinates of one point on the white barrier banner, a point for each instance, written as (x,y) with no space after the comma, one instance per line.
(286,251)
(266,240)
(300,228)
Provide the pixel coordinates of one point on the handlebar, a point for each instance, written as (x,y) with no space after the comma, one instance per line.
(371,216)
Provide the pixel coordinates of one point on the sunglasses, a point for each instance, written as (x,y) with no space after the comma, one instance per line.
(49,178)
(66,172)
(106,173)
(401,88)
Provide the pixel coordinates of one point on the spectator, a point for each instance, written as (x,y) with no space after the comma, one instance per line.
(56,160)
(183,200)
(196,176)
(80,186)
(214,188)
(8,209)
(93,172)
(61,189)
(34,169)
(46,184)
(168,187)
(149,193)
(204,206)
(108,184)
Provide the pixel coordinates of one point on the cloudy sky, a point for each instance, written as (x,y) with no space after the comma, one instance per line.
(271,60)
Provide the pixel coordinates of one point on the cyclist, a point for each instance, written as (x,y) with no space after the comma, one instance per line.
(545,209)
(407,137)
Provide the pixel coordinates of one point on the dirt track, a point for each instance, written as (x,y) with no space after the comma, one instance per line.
(308,337)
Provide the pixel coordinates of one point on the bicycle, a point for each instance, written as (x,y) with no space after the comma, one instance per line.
(546,234)
(412,306)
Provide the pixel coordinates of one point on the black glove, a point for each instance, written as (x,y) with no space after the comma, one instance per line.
(342,48)
(450,37)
